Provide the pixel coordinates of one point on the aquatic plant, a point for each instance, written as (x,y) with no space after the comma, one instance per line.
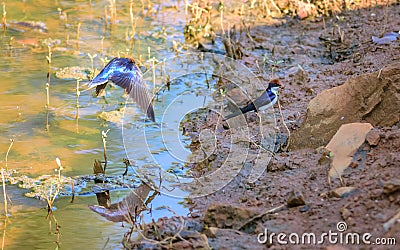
(63,15)
(77,104)
(78,30)
(4,19)
(112,7)
(133,22)
(199,22)
(49,187)
(8,151)
(3,179)
(272,62)
(102,45)
(92,57)
(48,57)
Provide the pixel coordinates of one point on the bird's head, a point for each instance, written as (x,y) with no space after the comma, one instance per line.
(275,85)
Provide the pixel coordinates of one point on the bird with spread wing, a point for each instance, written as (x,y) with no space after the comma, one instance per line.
(125,73)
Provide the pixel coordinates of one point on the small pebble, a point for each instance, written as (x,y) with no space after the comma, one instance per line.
(373,138)
(304,208)
(295,199)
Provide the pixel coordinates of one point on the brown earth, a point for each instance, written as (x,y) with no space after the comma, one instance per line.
(294,195)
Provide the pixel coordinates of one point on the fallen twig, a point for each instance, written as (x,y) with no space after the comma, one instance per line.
(271,211)
(284,124)
(392,221)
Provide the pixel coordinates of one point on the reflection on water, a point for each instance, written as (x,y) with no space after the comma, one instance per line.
(129,208)
(24,65)
(73,29)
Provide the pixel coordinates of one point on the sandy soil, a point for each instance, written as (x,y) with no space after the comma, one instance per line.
(294,195)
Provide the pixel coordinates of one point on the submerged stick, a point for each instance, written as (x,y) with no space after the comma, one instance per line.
(4,192)
(4,233)
(103,138)
(4,181)
(8,151)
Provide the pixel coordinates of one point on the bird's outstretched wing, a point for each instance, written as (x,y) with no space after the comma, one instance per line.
(124,73)
(137,90)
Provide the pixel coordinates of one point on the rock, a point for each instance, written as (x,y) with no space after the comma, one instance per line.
(164,229)
(325,156)
(391,186)
(233,239)
(336,247)
(344,145)
(212,232)
(26,26)
(372,98)
(282,4)
(74,72)
(346,213)
(227,216)
(115,116)
(373,138)
(353,164)
(295,199)
(304,208)
(194,240)
(305,9)
(394,220)
(343,192)
(386,39)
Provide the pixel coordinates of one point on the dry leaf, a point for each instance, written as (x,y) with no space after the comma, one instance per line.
(344,144)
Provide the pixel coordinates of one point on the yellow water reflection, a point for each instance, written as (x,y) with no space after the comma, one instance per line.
(72,29)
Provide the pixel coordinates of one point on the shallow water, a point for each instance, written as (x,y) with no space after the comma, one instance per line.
(77,143)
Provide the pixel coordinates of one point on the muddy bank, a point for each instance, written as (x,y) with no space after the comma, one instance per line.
(294,195)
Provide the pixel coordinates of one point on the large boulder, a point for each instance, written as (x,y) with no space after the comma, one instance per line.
(372,98)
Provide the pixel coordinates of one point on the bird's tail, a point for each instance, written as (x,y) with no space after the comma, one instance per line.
(234,114)
(150,113)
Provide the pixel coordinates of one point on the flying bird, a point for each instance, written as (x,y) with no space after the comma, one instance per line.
(267,99)
(125,73)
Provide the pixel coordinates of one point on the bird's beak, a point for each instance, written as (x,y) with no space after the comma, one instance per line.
(86,84)
(85,90)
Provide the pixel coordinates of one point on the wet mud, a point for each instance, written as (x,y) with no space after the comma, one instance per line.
(294,194)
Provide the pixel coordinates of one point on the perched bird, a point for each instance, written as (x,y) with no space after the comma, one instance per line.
(126,74)
(267,99)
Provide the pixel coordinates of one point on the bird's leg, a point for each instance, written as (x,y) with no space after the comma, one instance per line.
(127,164)
(105,100)
(259,118)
